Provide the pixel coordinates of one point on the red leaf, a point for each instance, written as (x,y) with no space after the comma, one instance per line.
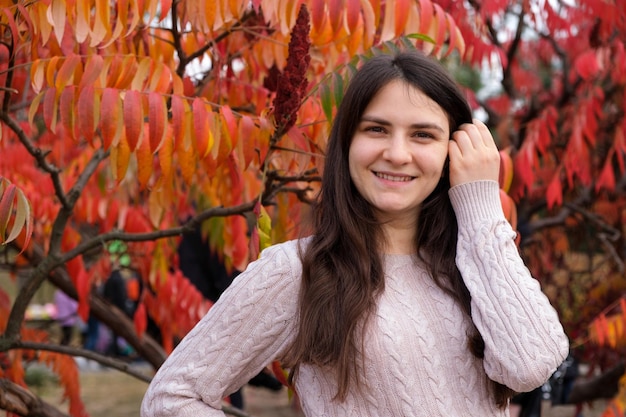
(67,104)
(140,319)
(298,138)
(606,179)
(110,120)
(87,116)
(178,108)
(353,11)
(50,107)
(133,118)
(554,193)
(335,12)
(157,116)
(93,68)
(231,124)
(200,126)
(426,14)
(317,14)
(247,132)
(587,65)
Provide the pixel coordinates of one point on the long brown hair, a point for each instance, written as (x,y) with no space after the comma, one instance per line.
(342,268)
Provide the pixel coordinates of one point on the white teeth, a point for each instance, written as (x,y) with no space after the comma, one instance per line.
(393,177)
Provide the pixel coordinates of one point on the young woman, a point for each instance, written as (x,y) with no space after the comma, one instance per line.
(409,298)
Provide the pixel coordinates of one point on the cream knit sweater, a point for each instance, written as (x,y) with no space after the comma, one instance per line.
(417,359)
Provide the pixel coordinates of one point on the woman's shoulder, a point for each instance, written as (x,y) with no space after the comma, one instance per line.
(288,250)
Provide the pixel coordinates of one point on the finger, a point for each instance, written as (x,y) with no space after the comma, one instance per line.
(485,134)
(462,140)
(454,152)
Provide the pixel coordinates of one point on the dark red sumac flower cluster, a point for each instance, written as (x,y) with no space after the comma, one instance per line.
(292,83)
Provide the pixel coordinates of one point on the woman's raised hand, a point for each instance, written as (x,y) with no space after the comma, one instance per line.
(473,154)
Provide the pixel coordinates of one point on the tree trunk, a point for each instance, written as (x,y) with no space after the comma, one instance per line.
(604,385)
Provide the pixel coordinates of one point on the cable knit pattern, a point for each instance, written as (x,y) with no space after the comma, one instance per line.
(417,362)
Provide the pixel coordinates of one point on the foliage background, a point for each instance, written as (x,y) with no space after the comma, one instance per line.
(139,120)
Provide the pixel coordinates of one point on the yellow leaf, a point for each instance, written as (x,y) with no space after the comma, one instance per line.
(134,12)
(34,108)
(37,74)
(51,70)
(82,28)
(156,208)
(101,25)
(142,72)
(57,15)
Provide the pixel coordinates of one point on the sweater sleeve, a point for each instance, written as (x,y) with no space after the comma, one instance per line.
(250,326)
(524,339)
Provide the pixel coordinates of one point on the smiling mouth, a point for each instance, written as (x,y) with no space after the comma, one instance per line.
(394,178)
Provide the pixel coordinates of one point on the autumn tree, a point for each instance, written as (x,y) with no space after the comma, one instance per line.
(138,121)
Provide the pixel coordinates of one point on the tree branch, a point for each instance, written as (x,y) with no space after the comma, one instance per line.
(88,354)
(38,154)
(20,401)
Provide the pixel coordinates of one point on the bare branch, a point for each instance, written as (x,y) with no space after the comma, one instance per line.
(88,354)
(38,154)
(20,401)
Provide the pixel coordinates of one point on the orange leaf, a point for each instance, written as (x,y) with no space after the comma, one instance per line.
(110,122)
(401,13)
(156,119)
(120,158)
(101,24)
(133,118)
(93,69)
(65,75)
(186,162)
(51,70)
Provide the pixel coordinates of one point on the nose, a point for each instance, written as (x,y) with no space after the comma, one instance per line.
(397,150)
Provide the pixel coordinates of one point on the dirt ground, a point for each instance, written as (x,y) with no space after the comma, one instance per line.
(109,393)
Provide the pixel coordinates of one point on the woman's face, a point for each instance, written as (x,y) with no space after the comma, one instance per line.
(398,151)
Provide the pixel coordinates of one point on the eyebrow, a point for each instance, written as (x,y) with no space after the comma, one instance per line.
(424,125)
